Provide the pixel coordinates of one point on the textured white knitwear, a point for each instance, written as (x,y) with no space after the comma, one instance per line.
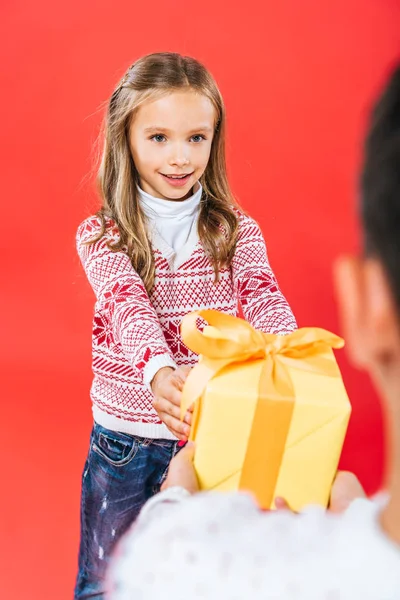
(222,547)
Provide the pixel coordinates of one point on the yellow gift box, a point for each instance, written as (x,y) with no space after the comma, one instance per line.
(270,412)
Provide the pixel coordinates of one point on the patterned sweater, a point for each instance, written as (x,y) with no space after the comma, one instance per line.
(135,334)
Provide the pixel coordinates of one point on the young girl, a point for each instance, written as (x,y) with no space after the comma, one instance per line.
(169,239)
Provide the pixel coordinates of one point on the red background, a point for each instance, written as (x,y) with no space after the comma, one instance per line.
(297,78)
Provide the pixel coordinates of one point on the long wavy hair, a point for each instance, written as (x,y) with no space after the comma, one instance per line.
(149,78)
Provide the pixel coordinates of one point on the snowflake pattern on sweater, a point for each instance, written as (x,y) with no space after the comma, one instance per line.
(132,330)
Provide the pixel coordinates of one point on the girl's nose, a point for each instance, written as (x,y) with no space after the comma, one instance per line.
(179,158)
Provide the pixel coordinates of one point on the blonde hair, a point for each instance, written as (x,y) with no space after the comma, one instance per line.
(150,77)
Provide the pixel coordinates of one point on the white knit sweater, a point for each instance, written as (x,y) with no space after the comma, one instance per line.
(222,547)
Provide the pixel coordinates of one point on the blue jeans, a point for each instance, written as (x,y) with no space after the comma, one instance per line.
(121,473)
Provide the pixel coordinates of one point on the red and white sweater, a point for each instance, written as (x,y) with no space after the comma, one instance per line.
(135,334)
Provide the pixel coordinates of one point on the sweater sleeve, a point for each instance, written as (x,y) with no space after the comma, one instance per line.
(263,304)
(122,300)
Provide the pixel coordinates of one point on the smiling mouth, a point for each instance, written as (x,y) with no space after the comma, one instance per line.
(183,176)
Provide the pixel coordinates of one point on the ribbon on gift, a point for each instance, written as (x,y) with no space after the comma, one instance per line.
(228,340)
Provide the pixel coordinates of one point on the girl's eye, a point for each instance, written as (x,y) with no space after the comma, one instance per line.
(197,138)
(158,138)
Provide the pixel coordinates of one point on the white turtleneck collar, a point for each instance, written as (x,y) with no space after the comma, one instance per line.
(170,209)
(173,224)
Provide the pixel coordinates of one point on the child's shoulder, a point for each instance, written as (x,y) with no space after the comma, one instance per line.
(247,225)
(94,225)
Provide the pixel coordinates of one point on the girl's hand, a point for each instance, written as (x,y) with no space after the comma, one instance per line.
(167,388)
(181,471)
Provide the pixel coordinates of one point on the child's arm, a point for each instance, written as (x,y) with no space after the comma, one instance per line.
(263,304)
(124,304)
(123,301)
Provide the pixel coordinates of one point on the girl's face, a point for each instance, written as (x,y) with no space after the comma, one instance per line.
(170,141)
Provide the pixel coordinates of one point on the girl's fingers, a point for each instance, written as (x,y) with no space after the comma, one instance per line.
(182,438)
(179,377)
(183,372)
(173,394)
(170,415)
(178,428)
(164,406)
